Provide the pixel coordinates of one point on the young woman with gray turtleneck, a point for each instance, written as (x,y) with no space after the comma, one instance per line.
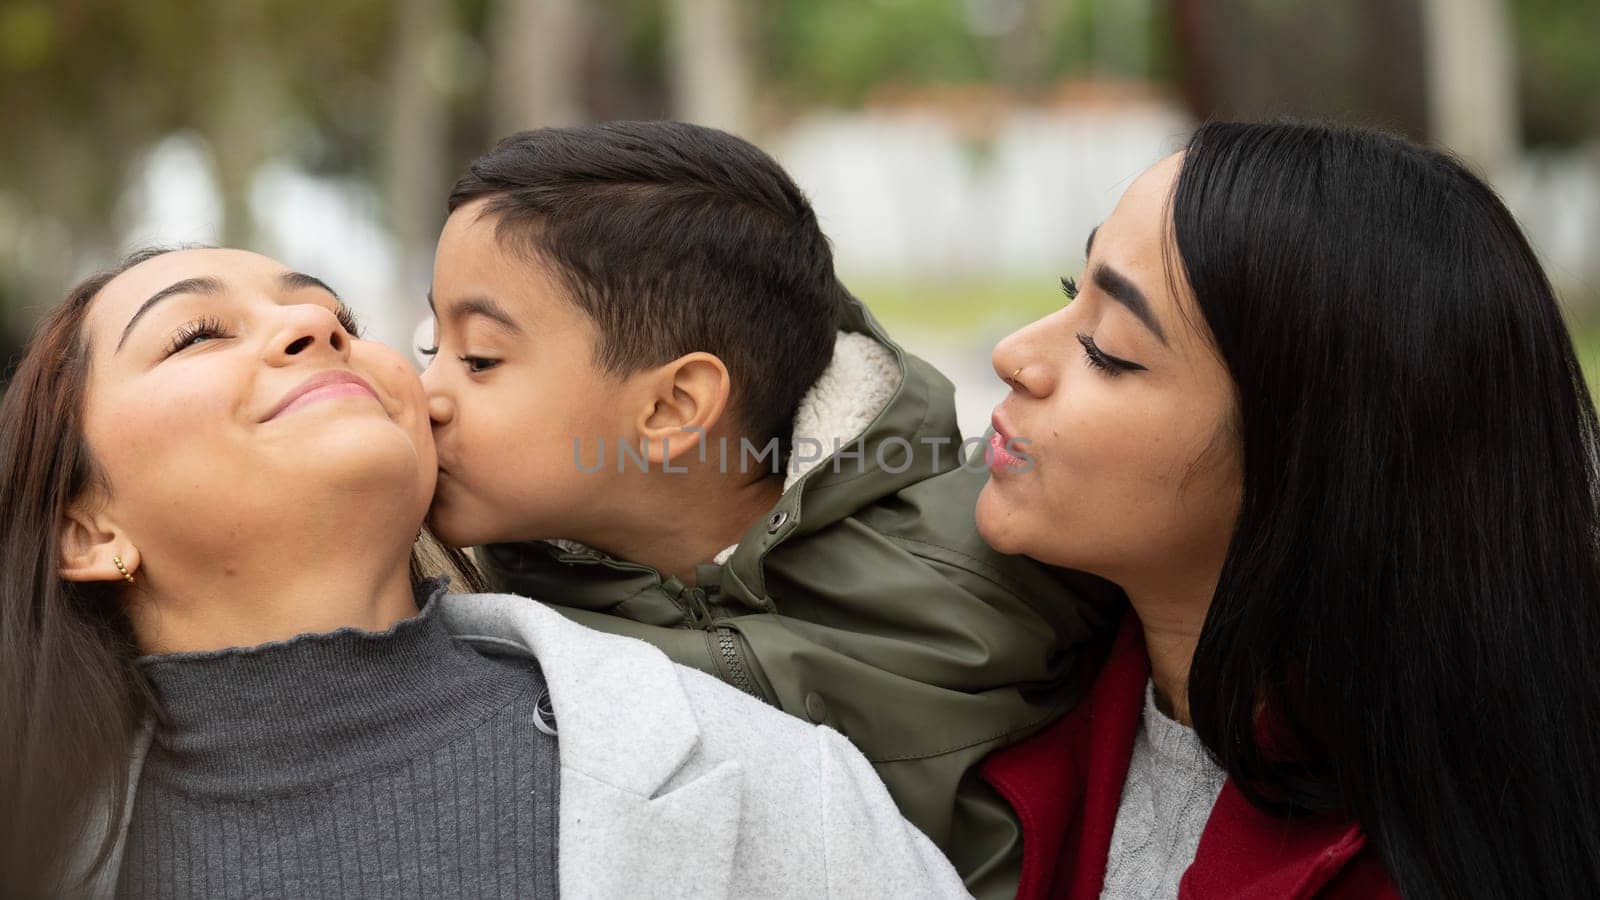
(209,555)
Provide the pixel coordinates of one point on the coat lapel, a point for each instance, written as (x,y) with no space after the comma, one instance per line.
(678,843)
(1066,783)
(634,820)
(1247,854)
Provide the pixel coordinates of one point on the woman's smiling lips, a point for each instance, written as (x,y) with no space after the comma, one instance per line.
(326,385)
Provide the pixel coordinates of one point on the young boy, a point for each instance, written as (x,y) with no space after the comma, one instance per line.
(658,411)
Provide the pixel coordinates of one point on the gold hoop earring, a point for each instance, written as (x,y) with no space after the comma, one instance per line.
(117,560)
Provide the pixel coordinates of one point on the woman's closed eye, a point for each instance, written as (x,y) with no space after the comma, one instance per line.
(205,328)
(1105,362)
(210,328)
(348,320)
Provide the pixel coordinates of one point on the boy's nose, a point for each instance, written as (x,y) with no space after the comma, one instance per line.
(440,409)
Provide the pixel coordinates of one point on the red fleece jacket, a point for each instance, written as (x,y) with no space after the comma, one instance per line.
(1066,784)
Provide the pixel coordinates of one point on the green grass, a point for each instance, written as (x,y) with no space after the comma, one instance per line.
(1586,338)
(958,306)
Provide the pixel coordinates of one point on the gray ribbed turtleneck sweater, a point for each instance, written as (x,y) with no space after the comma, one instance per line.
(347,764)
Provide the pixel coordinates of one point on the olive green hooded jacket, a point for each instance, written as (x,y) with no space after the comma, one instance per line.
(865,600)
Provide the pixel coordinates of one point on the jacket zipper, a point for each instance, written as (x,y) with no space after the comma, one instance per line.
(735,671)
(738,674)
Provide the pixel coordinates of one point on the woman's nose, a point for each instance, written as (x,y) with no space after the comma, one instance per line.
(1018,364)
(309,330)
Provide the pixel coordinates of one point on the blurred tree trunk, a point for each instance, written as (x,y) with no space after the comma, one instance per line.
(1356,61)
(537,50)
(242,113)
(1197,43)
(710,63)
(416,150)
(1472,80)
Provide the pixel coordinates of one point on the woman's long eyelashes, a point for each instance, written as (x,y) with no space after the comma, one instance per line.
(348,321)
(205,328)
(1069,286)
(1105,362)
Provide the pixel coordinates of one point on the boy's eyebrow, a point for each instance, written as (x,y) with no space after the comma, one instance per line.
(479,306)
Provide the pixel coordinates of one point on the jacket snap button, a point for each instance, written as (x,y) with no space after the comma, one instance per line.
(815,708)
(776,520)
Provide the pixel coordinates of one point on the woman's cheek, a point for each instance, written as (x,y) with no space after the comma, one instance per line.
(398,378)
(160,416)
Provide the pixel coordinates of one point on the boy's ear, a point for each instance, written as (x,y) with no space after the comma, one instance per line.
(688,399)
(90,542)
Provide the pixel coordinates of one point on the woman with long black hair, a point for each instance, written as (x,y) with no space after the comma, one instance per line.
(1314,408)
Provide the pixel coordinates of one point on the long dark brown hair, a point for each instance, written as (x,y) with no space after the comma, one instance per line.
(71,698)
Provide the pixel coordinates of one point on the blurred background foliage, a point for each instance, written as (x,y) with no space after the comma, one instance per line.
(378,105)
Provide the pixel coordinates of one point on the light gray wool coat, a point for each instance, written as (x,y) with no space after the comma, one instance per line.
(675,785)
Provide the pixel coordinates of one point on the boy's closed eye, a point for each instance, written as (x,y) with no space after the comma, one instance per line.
(427,349)
(474,364)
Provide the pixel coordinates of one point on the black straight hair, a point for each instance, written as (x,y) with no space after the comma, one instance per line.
(674,238)
(1405,624)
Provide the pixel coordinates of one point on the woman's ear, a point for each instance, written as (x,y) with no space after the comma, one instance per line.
(90,546)
(691,393)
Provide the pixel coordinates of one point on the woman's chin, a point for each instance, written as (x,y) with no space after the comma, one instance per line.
(361,462)
(357,442)
(995,523)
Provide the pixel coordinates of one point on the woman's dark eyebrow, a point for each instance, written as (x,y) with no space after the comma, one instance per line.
(296,280)
(187,286)
(1126,293)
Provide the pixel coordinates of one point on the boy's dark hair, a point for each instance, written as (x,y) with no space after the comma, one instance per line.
(675,238)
